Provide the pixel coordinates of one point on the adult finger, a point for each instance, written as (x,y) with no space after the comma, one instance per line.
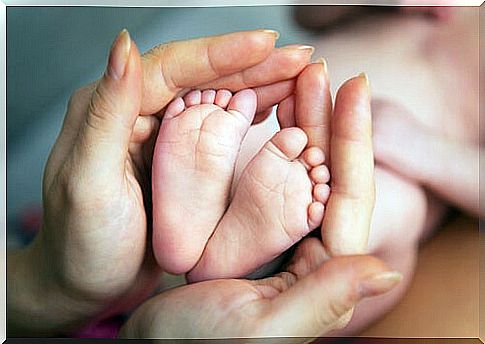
(286,112)
(169,68)
(349,209)
(106,131)
(323,300)
(270,95)
(283,63)
(313,105)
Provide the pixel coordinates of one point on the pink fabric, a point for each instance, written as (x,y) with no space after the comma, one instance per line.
(108,328)
(30,219)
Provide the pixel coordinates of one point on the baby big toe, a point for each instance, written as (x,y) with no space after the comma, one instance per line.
(244,102)
(288,143)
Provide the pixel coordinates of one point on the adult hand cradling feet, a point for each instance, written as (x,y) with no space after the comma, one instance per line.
(92,257)
(317,291)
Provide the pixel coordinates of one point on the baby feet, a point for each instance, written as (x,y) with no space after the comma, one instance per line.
(280,197)
(193,165)
(279,200)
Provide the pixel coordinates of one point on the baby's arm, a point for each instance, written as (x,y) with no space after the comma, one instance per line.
(448,167)
(451,170)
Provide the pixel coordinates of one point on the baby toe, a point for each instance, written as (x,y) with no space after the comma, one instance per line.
(175,108)
(193,98)
(313,156)
(289,143)
(208,96)
(244,102)
(321,193)
(223,97)
(320,174)
(316,211)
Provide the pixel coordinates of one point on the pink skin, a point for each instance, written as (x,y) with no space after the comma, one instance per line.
(194,160)
(279,199)
(196,186)
(186,182)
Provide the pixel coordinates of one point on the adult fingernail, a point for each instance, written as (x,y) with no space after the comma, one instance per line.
(118,57)
(308,48)
(380,283)
(364,76)
(275,33)
(292,48)
(324,63)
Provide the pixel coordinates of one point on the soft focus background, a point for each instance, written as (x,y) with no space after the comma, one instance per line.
(52,51)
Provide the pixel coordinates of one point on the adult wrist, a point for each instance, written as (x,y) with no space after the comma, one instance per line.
(37,303)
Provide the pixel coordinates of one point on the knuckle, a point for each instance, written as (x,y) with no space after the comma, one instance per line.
(100,109)
(71,190)
(100,103)
(80,96)
(73,185)
(336,315)
(164,56)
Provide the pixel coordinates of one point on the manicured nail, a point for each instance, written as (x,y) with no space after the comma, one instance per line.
(118,57)
(380,283)
(306,48)
(273,32)
(364,76)
(324,63)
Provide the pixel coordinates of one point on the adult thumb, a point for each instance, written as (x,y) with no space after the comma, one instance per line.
(114,106)
(324,300)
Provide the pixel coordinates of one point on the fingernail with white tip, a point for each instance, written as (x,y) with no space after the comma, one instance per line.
(275,33)
(119,54)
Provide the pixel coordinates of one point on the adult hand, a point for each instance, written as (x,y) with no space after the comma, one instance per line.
(91,257)
(313,297)
(318,290)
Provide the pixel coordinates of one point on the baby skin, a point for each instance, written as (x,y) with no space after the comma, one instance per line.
(278,200)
